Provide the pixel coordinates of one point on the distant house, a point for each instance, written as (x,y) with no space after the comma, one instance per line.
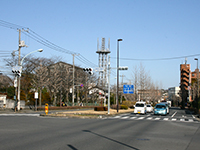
(2,101)
(98,92)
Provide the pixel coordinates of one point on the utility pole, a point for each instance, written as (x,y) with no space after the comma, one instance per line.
(21,44)
(109,85)
(18,86)
(73,79)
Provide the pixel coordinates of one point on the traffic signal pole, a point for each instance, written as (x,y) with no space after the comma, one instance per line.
(73,79)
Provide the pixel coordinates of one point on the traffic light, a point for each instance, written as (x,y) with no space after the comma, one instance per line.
(88,70)
(17,70)
(123,68)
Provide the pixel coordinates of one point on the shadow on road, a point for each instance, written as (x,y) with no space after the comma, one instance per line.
(72,147)
(110,139)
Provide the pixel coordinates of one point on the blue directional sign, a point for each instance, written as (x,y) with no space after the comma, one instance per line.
(128,89)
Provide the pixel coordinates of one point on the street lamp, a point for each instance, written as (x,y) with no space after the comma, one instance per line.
(197,83)
(18,97)
(118,40)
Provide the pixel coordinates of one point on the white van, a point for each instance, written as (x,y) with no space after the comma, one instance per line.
(140,108)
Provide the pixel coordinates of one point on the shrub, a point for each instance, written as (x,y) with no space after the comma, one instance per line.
(128,103)
(124,107)
(115,106)
(100,108)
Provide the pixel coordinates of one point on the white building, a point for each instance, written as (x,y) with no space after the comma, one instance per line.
(173,92)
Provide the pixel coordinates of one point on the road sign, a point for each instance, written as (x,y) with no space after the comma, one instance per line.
(128,89)
(36,95)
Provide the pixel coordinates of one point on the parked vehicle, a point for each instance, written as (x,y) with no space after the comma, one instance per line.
(149,108)
(160,109)
(140,108)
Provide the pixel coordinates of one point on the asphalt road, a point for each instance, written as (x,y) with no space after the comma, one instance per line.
(49,133)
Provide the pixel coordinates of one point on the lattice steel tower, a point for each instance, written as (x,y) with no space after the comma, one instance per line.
(103,61)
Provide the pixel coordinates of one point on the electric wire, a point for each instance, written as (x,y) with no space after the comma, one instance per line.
(157,59)
(33,35)
(10,25)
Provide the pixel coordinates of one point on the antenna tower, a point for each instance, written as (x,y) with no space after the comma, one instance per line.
(103,61)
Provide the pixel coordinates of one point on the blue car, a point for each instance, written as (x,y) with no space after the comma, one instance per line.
(160,109)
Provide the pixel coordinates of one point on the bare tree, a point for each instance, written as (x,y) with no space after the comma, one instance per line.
(40,79)
(144,84)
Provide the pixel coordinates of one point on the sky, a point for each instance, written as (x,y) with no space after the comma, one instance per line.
(157,34)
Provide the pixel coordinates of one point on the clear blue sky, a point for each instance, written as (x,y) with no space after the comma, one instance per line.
(150,29)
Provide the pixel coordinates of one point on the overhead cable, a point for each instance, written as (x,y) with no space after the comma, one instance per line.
(157,59)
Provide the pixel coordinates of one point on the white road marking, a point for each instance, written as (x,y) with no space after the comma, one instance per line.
(133,117)
(125,117)
(117,117)
(157,119)
(166,119)
(140,118)
(150,118)
(174,114)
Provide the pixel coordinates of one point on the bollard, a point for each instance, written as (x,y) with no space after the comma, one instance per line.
(46,109)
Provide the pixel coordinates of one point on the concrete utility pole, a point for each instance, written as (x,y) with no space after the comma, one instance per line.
(21,44)
(73,79)
(109,85)
(19,51)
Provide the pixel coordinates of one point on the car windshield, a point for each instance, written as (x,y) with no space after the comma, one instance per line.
(148,105)
(160,106)
(139,105)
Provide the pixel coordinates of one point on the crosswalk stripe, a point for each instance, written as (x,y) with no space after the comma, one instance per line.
(117,117)
(140,118)
(152,118)
(133,117)
(173,119)
(149,118)
(125,117)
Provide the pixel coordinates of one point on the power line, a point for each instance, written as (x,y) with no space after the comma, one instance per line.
(157,59)
(33,35)
(10,25)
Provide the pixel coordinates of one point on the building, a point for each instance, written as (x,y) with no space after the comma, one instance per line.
(194,74)
(194,88)
(185,82)
(174,95)
(173,91)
